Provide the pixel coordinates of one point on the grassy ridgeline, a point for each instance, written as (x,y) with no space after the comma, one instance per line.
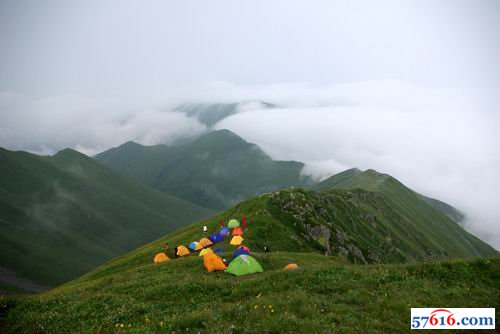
(324,295)
(216,171)
(327,293)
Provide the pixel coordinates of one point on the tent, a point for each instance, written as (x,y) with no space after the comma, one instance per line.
(244,265)
(206,251)
(216,237)
(206,242)
(240,251)
(224,231)
(213,262)
(291,266)
(237,231)
(182,251)
(236,240)
(233,223)
(195,246)
(245,248)
(219,250)
(161,257)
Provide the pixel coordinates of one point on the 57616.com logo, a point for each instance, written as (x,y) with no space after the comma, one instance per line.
(452,318)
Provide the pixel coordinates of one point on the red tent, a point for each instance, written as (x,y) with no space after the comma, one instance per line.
(237,231)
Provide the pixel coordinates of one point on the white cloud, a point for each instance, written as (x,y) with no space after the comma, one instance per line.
(46,125)
(441,143)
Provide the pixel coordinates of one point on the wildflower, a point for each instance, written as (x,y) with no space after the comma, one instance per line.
(272,311)
(256,306)
(270,306)
(121,325)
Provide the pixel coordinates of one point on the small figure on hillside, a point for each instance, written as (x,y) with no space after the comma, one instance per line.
(221,223)
(205,229)
(266,249)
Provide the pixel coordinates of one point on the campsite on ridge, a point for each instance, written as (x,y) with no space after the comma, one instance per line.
(253,167)
(192,293)
(364,216)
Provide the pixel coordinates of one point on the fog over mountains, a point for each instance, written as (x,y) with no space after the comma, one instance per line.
(409,88)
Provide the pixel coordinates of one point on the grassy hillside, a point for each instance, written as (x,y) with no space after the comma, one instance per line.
(373,181)
(64,215)
(327,293)
(216,170)
(130,294)
(435,219)
(296,220)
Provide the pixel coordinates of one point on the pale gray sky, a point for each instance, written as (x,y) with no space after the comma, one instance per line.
(411,88)
(108,47)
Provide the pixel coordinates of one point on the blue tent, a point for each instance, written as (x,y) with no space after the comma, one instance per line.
(194,246)
(224,231)
(240,251)
(219,250)
(216,237)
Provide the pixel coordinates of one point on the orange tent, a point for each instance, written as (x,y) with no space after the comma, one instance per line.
(205,242)
(237,231)
(236,240)
(291,266)
(161,257)
(182,251)
(213,262)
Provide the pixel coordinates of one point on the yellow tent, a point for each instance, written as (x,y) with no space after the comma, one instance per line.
(206,251)
(205,242)
(212,262)
(182,251)
(161,257)
(236,240)
(291,266)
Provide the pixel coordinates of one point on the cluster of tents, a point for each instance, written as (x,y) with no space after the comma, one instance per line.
(242,263)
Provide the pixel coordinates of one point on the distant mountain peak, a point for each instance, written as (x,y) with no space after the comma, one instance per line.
(216,170)
(212,113)
(70,153)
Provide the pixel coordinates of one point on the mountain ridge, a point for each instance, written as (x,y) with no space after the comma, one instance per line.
(63,215)
(216,170)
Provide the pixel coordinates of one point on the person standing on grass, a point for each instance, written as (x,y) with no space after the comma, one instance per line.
(205,229)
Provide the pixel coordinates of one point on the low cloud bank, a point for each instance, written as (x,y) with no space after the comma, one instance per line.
(442,143)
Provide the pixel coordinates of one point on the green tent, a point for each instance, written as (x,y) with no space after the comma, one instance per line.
(244,265)
(233,223)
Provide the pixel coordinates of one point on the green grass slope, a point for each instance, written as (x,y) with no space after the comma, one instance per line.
(356,225)
(327,294)
(216,170)
(64,215)
(430,223)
